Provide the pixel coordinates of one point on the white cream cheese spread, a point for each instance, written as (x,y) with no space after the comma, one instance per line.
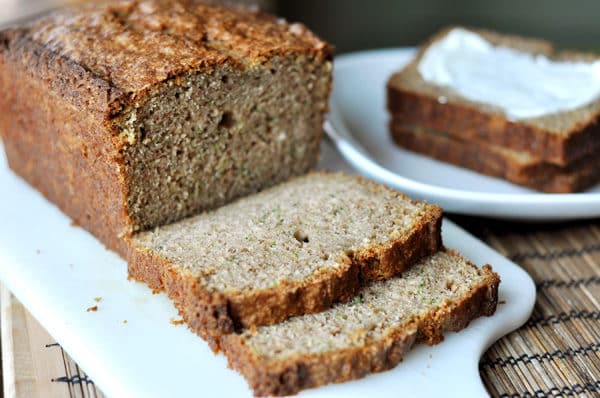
(521,84)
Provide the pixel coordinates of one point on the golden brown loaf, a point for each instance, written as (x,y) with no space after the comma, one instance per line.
(133,114)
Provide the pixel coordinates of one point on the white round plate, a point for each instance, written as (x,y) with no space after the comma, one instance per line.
(358,126)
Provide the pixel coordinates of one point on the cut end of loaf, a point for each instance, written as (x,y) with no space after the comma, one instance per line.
(442,293)
(207,138)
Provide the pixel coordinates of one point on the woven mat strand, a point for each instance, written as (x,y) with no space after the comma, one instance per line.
(557,352)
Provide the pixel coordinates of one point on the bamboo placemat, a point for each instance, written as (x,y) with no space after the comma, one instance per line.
(556,353)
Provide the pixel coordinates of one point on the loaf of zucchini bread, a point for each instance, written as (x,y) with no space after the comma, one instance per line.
(131,114)
(175,132)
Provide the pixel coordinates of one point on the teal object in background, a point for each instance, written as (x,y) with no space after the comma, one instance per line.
(358,24)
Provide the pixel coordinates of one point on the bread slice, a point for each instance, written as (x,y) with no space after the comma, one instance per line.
(296,248)
(557,138)
(443,292)
(149,112)
(517,167)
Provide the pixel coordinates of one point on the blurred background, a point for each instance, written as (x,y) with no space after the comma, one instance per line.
(359,24)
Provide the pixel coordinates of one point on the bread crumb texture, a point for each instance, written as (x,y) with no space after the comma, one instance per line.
(436,282)
(287,233)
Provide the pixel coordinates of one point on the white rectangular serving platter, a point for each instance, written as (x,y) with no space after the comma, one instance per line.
(130,347)
(358,125)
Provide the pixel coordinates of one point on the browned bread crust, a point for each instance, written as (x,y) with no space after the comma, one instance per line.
(210,313)
(66,78)
(129,47)
(497,162)
(558,139)
(289,376)
(60,150)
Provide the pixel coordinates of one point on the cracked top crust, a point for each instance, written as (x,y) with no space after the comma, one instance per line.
(127,47)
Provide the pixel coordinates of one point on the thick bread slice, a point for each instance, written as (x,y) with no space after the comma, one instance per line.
(518,167)
(557,138)
(293,249)
(444,292)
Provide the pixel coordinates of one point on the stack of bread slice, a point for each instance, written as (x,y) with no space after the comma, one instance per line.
(553,152)
(323,278)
